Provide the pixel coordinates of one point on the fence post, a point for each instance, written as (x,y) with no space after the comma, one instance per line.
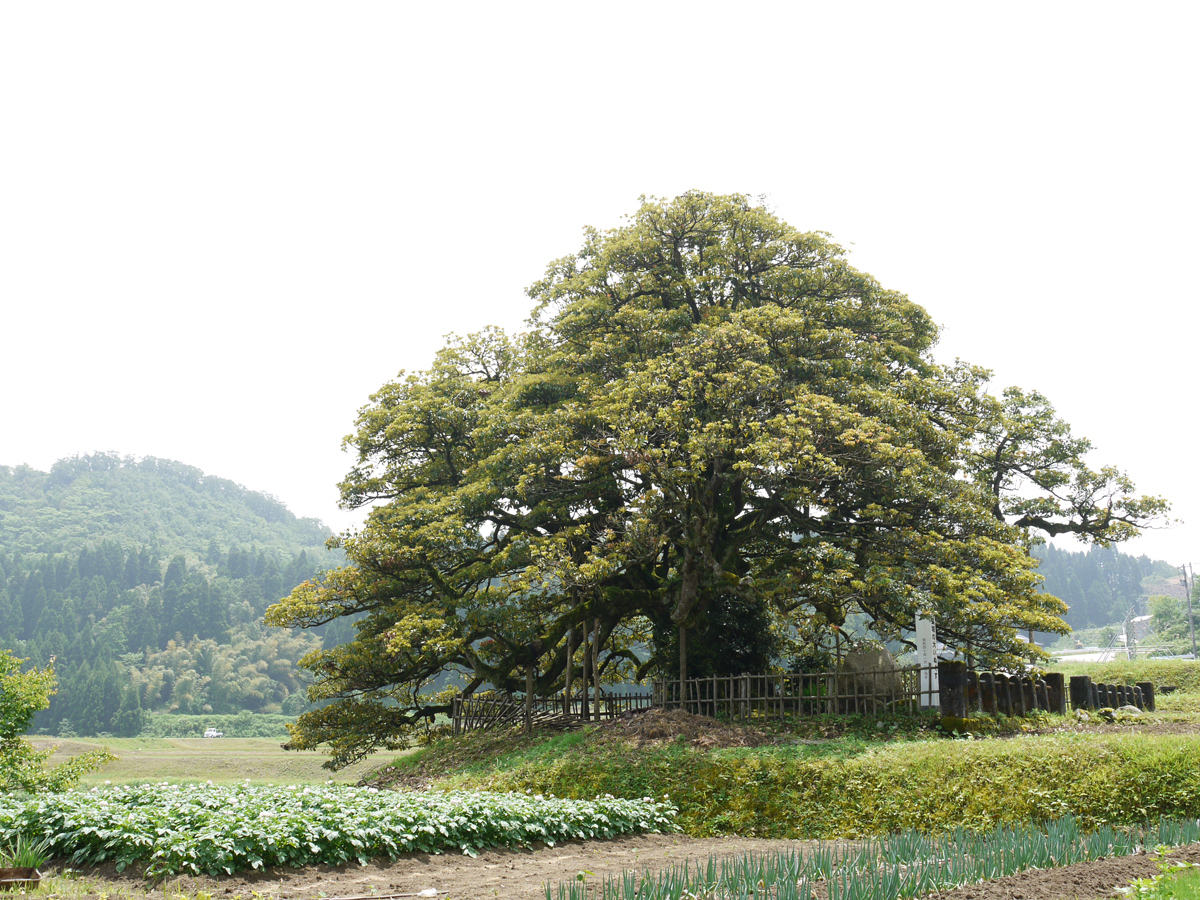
(987,692)
(1081,693)
(1016,696)
(1003,694)
(1147,694)
(952,689)
(1030,695)
(1055,687)
(528,699)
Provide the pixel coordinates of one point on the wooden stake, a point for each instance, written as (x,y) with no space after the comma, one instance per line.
(584,709)
(528,699)
(570,671)
(596,666)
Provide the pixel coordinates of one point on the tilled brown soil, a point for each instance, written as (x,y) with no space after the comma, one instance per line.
(524,874)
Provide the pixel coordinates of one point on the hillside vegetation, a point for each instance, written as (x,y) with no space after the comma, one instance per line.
(165,506)
(146,581)
(1101,584)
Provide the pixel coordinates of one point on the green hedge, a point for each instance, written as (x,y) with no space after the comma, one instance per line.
(935,785)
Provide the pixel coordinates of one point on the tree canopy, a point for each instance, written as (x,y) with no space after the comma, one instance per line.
(709,411)
(22,766)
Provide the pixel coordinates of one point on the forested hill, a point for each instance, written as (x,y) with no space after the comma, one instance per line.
(147,581)
(160,504)
(1101,584)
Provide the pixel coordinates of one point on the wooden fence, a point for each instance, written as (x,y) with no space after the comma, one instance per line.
(964,691)
(495,710)
(903,690)
(949,686)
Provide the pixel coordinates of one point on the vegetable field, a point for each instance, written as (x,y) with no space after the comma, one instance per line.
(214,829)
(908,864)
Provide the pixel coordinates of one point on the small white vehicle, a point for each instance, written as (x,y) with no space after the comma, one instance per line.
(212,732)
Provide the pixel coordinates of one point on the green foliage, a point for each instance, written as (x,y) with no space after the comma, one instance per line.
(115,621)
(1175,881)
(24,853)
(146,580)
(1170,622)
(216,829)
(801,791)
(22,768)
(708,405)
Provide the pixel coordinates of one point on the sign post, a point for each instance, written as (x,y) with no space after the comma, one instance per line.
(928,661)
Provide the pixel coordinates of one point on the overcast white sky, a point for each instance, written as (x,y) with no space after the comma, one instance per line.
(223,225)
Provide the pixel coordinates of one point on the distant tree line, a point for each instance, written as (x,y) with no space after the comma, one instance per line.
(1099,585)
(131,634)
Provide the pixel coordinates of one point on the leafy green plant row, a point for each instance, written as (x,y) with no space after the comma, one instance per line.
(908,864)
(218,829)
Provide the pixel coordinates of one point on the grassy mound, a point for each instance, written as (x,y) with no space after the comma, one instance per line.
(850,777)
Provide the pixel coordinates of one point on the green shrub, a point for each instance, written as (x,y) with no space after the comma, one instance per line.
(793,792)
(22,768)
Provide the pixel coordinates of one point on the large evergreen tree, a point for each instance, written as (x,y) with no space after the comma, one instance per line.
(709,407)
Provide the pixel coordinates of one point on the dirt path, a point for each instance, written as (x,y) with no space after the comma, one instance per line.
(522,875)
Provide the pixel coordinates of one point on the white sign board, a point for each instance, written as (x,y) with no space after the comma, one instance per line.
(927,660)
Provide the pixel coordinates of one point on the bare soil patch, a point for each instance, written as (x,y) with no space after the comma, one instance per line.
(657,725)
(524,874)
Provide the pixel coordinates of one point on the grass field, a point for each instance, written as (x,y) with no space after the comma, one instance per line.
(220,760)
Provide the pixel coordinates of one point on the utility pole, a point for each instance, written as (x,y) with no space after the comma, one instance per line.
(1187,589)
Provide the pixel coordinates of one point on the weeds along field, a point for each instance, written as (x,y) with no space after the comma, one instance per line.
(854,778)
(220,760)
